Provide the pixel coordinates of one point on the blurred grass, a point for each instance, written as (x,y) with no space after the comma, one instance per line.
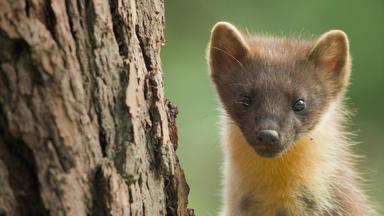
(188,25)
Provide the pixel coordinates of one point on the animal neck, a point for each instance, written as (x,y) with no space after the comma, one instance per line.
(272,175)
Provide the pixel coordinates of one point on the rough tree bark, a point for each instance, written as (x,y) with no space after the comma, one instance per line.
(85,128)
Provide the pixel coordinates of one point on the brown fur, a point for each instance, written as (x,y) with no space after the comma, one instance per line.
(309,170)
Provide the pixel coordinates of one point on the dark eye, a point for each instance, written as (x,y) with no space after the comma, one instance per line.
(299,105)
(245,101)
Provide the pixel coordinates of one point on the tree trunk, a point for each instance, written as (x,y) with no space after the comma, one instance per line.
(85,128)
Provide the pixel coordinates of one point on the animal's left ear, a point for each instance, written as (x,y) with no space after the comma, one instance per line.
(331,55)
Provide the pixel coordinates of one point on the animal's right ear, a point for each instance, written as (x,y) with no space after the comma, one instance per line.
(227,48)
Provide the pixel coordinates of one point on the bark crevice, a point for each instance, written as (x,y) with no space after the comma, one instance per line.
(21,166)
(147,58)
(121,36)
(50,21)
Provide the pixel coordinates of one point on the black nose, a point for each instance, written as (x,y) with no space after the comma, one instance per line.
(268,137)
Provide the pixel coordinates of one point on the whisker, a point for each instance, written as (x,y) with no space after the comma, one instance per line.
(228,54)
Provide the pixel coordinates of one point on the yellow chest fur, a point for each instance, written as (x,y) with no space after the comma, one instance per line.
(275,183)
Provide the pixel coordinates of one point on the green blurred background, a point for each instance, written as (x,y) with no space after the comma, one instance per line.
(188,25)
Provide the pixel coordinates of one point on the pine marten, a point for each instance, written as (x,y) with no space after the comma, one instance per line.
(286,150)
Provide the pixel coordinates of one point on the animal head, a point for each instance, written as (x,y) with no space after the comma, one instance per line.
(277,89)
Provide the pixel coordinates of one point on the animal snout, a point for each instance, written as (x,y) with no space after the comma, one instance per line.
(268,137)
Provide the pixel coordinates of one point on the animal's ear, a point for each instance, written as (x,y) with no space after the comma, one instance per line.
(227,48)
(331,55)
